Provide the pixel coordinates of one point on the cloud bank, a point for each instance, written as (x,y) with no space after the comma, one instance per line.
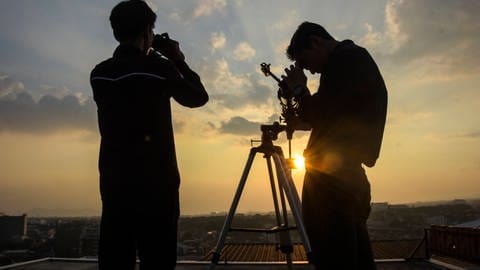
(438,38)
(239,126)
(21,113)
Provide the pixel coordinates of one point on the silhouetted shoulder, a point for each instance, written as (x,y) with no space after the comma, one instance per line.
(117,68)
(347,50)
(106,64)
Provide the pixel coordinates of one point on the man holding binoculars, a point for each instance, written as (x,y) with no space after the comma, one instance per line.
(139,178)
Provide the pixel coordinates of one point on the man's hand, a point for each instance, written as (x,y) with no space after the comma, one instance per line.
(173,52)
(294,77)
(294,83)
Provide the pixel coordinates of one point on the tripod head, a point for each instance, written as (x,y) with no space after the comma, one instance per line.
(270,132)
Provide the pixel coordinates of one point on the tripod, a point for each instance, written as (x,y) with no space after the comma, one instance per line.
(286,188)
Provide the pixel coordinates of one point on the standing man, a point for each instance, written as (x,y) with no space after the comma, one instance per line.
(347,117)
(139,178)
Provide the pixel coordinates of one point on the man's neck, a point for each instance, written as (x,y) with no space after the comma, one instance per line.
(136,43)
(332,45)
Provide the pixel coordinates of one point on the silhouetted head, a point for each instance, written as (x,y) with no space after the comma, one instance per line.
(132,20)
(310,46)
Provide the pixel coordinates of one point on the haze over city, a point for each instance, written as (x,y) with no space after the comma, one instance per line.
(428,53)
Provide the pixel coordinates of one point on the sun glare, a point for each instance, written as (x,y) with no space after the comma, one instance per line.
(299,161)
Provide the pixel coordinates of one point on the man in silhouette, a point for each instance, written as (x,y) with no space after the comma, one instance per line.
(347,117)
(139,178)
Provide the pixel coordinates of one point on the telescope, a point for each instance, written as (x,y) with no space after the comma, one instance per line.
(288,102)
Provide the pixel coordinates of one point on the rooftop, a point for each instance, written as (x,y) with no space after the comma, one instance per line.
(91,264)
(389,255)
(442,247)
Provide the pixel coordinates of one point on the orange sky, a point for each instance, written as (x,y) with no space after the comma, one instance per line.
(427,51)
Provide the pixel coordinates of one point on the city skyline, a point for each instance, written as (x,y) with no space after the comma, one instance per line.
(427,51)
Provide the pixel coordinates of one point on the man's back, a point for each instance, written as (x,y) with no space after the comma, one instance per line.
(351,102)
(133,100)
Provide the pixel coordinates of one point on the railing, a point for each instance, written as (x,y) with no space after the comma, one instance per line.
(457,242)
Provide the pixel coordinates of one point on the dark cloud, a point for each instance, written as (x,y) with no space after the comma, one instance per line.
(274,118)
(21,113)
(8,85)
(239,126)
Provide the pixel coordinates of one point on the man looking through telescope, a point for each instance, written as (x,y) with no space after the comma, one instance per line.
(347,117)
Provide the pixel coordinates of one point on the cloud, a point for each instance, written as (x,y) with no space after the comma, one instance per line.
(449,137)
(235,91)
(221,80)
(178,126)
(243,51)
(207,7)
(217,40)
(281,49)
(393,27)
(393,36)
(256,96)
(239,126)
(287,21)
(428,41)
(9,86)
(21,113)
(174,16)
(467,135)
(371,38)
(425,29)
(430,26)
(58,111)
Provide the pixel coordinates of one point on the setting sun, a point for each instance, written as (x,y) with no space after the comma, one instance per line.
(299,161)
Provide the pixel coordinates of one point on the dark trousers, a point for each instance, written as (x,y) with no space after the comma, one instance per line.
(335,220)
(148,231)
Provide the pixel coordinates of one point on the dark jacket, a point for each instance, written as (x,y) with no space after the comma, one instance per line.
(348,112)
(132,92)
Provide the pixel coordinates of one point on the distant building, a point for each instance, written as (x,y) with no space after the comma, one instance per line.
(399,206)
(436,220)
(379,206)
(459,201)
(89,241)
(12,229)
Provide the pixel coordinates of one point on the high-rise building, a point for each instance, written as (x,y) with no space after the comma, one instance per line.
(12,229)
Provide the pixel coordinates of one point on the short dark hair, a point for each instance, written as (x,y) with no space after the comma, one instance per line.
(301,38)
(130,18)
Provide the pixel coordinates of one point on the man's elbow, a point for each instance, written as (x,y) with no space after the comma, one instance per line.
(204,99)
(199,102)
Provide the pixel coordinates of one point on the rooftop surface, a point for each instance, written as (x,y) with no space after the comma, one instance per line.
(448,249)
(91,264)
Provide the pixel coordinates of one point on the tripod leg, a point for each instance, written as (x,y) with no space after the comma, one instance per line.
(284,235)
(231,212)
(293,198)
(274,190)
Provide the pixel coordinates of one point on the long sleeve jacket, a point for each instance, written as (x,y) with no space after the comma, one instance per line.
(133,92)
(348,112)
